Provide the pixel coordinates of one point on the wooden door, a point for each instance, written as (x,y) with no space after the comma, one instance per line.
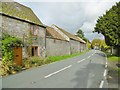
(18,55)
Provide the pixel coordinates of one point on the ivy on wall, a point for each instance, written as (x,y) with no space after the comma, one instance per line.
(8,42)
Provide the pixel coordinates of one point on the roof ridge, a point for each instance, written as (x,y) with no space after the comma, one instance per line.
(70,35)
(54,33)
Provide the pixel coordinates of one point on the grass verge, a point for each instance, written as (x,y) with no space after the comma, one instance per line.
(58,58)
(115,59)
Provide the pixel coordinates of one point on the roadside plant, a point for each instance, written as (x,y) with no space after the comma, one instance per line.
(37,61)
(9,68)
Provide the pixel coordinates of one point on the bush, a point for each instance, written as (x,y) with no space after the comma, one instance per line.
(47,61)
(37,61)
(8,67)
(27,63)
(33,62)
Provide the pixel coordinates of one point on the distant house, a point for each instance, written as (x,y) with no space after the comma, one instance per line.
(56,44)
(76,43)
(20,21)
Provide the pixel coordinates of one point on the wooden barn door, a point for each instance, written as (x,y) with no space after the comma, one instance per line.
(18,55)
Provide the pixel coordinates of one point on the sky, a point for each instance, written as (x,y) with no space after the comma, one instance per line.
(71,15)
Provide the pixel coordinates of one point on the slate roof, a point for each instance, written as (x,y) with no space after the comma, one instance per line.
(71,36)
(19,11)
(50,32)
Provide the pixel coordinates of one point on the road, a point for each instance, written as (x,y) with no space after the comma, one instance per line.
(85,71)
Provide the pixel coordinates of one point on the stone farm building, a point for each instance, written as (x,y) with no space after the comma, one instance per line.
(56,44)
(61,42)
(20,21)
(76,43)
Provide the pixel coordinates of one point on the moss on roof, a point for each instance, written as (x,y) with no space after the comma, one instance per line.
(54,33)
(19,11)
(71,36)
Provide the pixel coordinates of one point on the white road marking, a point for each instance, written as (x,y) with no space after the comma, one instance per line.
(106,63)
(106,66)
(105,73)
(58,71)
(88,57)
(80,61)
(101,84)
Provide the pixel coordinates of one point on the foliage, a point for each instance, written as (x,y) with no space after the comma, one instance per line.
(37,61)
(8,42)
(80,34)
(8,67)
(88,45)
(96,42)
(27,63)
(109,25)
(33,62)
(104,47)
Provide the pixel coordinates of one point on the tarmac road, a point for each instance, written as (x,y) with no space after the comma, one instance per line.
(85,71)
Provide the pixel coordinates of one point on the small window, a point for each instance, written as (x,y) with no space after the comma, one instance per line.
(34,30)
(34,51)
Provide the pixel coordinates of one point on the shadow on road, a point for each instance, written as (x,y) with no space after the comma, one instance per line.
(89,77)
(101,54)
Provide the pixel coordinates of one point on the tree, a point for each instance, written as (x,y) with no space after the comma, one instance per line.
(96,43)
(109,26)
(104,47)
(80,34)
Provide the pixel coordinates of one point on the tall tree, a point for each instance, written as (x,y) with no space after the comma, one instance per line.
(109,25)
(80,34)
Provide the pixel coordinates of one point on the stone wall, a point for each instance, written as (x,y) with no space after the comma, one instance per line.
(21,29)
(74,46)
(56,47)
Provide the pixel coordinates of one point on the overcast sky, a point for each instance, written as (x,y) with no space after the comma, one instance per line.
(70,15)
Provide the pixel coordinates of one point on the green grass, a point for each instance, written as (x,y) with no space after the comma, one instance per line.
(114,58)
(118,70)
(58,58)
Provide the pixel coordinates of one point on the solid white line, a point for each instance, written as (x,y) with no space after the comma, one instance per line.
(57,71)
(105,73)
(80,61)
(101,84)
